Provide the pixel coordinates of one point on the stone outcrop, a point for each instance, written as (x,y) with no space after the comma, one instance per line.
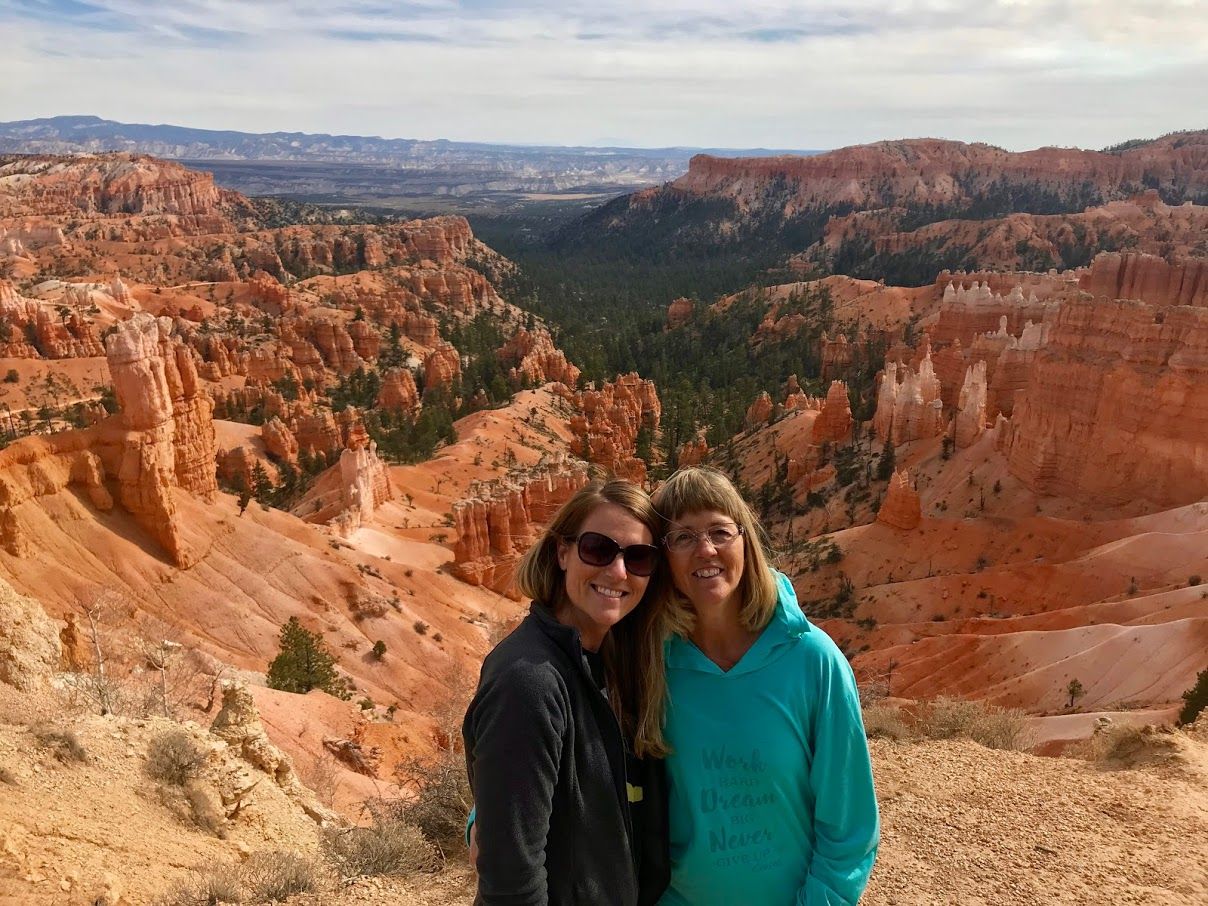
(169,437)
(1147,278)
(692,453)
(398,392)
(970,420)
(834,422)
(29,641)
(680,312)
(759,411)
(442,368)
(1116,408)
(501,518)
(901,507)
(364,486)
(836,355)
(279,441)
(606,431)
(909,409)
(969,312)
(532,359)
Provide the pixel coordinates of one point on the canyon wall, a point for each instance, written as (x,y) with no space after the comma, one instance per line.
(1116,407)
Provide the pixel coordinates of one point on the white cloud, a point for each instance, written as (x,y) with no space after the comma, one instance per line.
(687,72)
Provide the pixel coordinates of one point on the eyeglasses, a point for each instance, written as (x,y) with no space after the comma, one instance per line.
(681,541)
(600,550)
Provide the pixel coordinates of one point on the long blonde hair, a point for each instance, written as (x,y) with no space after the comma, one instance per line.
(633,648)
(700,488)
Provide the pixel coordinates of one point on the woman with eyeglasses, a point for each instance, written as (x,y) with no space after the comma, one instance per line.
(565,810)
(770,786)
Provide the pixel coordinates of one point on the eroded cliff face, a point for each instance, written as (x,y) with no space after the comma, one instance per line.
(501,519)
(937,172)
(1116,407)
(1147,278)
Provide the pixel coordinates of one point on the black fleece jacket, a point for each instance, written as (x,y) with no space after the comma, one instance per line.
(565,815)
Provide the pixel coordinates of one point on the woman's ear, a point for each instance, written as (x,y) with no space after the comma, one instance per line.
(563,552)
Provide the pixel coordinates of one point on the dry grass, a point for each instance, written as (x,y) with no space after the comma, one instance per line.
(386,848)
(439,801)
(950,718)
(884,722)
(205,809)
(988,725)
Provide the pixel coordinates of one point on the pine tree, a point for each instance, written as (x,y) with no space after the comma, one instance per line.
(304,663)
(1196,698)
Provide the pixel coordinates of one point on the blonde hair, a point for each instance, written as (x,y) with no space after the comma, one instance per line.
(699,488)
(633,648)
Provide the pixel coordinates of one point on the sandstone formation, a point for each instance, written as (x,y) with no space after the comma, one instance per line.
(759,411)
(970,420)
(1147,278)
(836,355)
(606,432)
(499,522)
(901,507)
(364,486)
(442,368)
(692,453)
(680,312)
(531,359)
(399,392)
(834,422)
(279,440)
(169,440)
(910,409)
(1116,407)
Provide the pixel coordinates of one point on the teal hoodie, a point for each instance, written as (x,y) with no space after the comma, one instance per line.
(771,788)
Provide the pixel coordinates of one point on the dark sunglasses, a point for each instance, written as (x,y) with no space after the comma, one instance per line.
(600,550)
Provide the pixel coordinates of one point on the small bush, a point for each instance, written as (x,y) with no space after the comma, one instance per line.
(379,650)
(387,848)
(987,725)
(420,627)
(11,376)
(276,875)
(63,744)
(173,757)
(1194,580)
(1124,745)
(215,884)
(884,722)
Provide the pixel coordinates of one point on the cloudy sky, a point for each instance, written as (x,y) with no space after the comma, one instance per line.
(701,73)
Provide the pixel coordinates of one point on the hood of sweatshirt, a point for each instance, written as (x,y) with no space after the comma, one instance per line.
(788,624)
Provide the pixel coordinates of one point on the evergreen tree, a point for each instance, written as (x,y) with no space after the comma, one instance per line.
(1196,698)
(304,663)
(886,462)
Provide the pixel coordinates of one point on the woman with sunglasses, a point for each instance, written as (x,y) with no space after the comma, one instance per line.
(564,812)
(770,786)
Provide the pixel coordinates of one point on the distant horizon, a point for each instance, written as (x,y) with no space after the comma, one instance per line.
(554,145)
(792,74)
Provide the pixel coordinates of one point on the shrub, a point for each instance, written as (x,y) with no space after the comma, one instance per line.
(11,376)
(1124,744)
(884,722)
(276,875)
(63,744)
(386,848)
(217,883)
(1196,699)
(987,725)
(1194,580)
(420,627)
(174,757)
(304,663)
(379,650)
(439,798)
